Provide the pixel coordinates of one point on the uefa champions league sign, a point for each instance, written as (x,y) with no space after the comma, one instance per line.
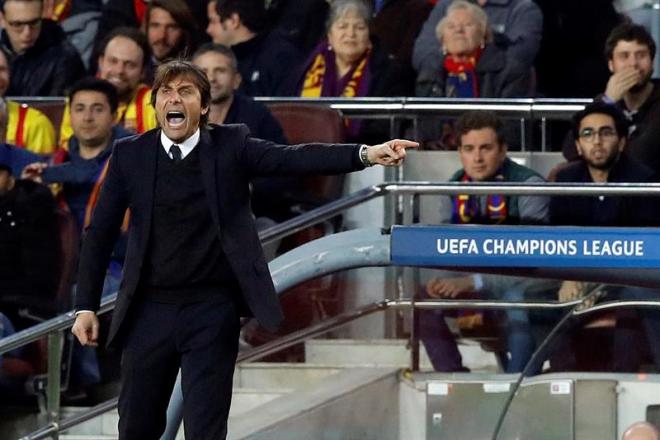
(525,246)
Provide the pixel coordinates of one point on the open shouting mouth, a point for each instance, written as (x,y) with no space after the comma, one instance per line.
(175,119)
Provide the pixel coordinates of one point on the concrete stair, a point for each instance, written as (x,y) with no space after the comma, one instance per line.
(340,379)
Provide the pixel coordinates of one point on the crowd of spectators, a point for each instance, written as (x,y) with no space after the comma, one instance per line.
(338,48)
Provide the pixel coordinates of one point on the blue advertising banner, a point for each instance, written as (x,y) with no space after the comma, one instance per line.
(525,246)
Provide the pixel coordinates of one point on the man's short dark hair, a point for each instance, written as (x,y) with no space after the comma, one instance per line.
(220,49)
(620,122)
(93,84)
(182,15)
(167,71)
(132,34)
(629,32)
(478,119)
(251,12)
(2,3)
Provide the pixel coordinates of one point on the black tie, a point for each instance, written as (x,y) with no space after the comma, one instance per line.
(175,152)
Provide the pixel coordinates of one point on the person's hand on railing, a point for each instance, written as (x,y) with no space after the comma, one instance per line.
(449,287)
(86,328)
(391,153)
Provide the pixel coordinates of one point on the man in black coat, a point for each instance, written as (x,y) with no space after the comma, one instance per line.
(194,263)
(265,58)
(41,60)
(600,133)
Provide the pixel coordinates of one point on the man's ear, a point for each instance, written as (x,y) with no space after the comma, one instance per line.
(234,20)
(3,22)
(610,65)
(205,110)
(238,79)
(578,148)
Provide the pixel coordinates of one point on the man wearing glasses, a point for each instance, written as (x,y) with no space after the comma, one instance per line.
(600,132)
(42,61)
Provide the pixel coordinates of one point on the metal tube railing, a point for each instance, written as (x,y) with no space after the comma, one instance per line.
(331,209)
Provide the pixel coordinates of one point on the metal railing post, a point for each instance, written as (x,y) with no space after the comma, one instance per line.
(55,346)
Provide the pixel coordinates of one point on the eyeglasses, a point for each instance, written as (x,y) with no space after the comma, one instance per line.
(589,134)
(20,25)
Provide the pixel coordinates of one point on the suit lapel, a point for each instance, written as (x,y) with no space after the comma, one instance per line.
(208,157)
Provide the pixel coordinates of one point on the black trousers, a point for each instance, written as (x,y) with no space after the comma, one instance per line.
(202,339)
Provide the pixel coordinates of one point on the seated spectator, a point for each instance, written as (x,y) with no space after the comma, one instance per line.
(517,26)
(122,61)
(171,31)
(473,66)
(220,66)
(265,59)
(26,127)
(28,246)
(630,52)
(130,13)
(600,132)
(347,64)
(42,61)
(483,153)
(80,168)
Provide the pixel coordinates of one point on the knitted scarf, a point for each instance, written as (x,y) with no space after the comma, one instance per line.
(321,76)
(466,207)
(462,76)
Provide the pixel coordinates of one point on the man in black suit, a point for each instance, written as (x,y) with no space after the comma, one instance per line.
(194,263)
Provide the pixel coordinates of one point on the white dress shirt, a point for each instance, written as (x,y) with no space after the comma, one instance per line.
(186,146)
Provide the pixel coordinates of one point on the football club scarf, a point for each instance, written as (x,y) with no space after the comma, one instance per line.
(466,207)
(462,77)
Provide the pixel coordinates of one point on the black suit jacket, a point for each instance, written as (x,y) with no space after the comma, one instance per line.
(229,159)
(606,211)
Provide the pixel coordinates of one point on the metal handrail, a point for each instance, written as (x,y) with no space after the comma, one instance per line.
(532,108)
(341,319)
(333,208)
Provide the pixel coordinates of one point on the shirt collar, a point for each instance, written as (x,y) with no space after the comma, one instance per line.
(186,146)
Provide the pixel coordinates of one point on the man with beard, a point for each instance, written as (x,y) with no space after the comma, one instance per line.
(630,51)
(600,137)
(221,68)
(122,63)
(171,31)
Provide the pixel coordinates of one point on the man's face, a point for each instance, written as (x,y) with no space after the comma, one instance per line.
(215,29)
(164,34)
(22,21)
(631,55)
(91,118)
(121,64)
(598,142)
(4,74)
(481,154)
(223,77)
(179,108)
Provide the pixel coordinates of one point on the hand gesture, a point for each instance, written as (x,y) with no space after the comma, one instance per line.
(620,82)
(86,328)
(34,171)
(391,153)
(449,287)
